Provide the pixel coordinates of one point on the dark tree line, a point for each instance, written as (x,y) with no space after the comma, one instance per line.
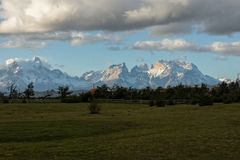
(29,93)
(14,94)
(223,92)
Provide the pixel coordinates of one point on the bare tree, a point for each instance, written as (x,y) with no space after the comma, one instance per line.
(13,93)
(29,91)
(1,95)
(64,91)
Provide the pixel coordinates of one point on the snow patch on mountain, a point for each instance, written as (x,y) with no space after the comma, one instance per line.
(21,72)
(226,80)
(162,74)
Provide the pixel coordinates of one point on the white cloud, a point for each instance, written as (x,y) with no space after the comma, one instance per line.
(31,16)
(40,40)
(181,16)
(180,45)
(32,23)
(43,60)
(166,45)
(22,43)
(80,38)
(232,48)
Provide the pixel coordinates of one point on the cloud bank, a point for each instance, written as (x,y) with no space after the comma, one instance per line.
(166,16)
(40,40)
(180,45)
(32,23)
(165,45)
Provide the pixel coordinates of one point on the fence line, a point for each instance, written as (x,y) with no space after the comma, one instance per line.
(175,101)
(31,101)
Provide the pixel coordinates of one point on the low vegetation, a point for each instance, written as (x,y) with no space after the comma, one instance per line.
(202,95)
(94,108)
(160,103)
(122,131)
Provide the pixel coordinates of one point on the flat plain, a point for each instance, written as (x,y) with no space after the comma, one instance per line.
(119,132)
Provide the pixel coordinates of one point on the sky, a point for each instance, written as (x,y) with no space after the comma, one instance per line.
(81,35)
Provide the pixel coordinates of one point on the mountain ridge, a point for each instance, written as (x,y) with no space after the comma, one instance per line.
(161,74)
(21,72)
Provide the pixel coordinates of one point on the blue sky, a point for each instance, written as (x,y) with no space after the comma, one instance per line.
(136,33)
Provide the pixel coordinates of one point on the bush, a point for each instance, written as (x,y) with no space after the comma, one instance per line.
(194,101)
(160,103)
(94,108)
(170,102)
(71,100)
(227,100)
(24,101)
(205,101)
(151,103)
(218,99)
(5,101)
(86,97)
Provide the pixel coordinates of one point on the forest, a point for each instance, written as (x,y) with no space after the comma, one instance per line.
(204,95)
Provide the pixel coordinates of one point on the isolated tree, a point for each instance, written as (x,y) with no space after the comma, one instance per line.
(48,94)
(94,108)
(29,91)
(64,91)
(102,92)
(1,95)
(13,93)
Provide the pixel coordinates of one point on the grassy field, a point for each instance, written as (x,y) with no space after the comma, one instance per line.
(120,132)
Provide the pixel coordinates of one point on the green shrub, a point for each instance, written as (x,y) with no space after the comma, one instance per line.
(218,99)
(160,103)
(205,101)
(194,101)
(94,108)
(227,100)
(170,102)
(24,101)
(71,100)
(5,101)
(86,97)
(151,103)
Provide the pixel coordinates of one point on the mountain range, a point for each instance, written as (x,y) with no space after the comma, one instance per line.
(21,72)
(162,74)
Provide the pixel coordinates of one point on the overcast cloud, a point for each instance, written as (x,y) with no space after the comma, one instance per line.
(180,45)
(211,16)
(31,23)
(40,40)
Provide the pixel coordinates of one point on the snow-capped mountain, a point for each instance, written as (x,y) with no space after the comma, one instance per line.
(161,74)
(172,73)
(140,76)
(114,75)
(22,72)
(226,80)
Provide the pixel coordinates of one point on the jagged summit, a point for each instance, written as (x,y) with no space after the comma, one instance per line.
(37,59)
(140,68)
(37,70)
(226,80)
(161,74)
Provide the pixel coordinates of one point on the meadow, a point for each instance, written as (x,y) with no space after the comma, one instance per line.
(120,132)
